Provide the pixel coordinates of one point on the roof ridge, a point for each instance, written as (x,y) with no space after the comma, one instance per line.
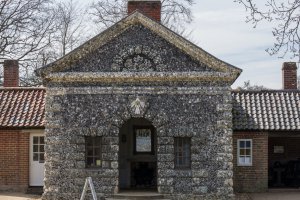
(266,91)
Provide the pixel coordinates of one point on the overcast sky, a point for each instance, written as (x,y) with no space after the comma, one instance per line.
(219,27)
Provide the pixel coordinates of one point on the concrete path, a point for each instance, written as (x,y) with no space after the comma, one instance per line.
(285,194)
(17,196)
(276,196)
(273,195)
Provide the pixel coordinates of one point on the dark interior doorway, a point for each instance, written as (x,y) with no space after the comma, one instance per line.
(284,161)
(137,155)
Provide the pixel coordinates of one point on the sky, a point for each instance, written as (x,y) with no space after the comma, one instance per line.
(219,28)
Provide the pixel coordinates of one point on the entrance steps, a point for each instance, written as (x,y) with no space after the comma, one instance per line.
(35,190)
(137,195)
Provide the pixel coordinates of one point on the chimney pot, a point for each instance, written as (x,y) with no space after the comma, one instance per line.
(289,76)
(11,73)
(150,8)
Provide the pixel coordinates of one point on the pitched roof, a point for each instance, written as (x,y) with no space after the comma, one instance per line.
(22,107)
(266,110)
(252,110)
(137,18)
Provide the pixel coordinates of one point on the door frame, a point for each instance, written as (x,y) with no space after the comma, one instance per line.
(134,156)
(31,135)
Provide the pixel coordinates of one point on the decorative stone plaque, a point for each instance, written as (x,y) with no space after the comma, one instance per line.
(138,106)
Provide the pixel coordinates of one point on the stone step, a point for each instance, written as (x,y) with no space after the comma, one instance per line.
(133,199)
(138,196)
(35,190)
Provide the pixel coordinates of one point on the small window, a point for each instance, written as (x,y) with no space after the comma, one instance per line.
(38,149)
(93,152)
(182,152)
(143,140)
(244,152)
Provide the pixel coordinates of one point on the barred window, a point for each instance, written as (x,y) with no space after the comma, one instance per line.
(93,152)
(182,152)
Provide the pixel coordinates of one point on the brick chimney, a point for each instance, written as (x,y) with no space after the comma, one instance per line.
(289,76)
(150,8)
(11,73)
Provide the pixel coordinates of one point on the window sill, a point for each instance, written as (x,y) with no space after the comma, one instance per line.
(244,165)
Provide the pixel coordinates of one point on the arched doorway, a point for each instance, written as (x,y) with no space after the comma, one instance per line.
(137,155)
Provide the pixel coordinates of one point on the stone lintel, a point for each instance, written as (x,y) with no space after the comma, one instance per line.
(138,77)
(58,91)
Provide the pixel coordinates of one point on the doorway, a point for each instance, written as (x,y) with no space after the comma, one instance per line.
(36,173)
(284,160)
(137,155)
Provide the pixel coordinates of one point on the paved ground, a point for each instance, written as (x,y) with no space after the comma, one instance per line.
(273,195)
(276,196)
(17,196)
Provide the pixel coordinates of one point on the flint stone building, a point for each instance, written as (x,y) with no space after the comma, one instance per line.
(139,108)
(149,104)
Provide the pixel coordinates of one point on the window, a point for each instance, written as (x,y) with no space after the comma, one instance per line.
(93,152)
(38,149)
(182,152)
(244,152)
(143,140)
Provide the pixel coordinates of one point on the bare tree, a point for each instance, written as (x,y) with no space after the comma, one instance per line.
(175,13)
(69,19)
(38,32)
(69,33)
(286,15)
(248,86)
(25,27)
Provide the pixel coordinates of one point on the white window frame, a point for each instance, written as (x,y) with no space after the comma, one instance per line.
(238,152)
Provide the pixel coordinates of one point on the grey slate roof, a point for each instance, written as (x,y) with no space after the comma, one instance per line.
(266,110)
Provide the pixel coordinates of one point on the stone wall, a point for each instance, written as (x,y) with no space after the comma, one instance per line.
(138,49)
(251,178)
(202,113)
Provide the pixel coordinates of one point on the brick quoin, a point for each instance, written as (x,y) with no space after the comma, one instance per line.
(289,76)
(11,73)
(251,178)
(151,9)
(14,160)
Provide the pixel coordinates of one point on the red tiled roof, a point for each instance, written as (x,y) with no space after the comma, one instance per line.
(22,107)
(266,110)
